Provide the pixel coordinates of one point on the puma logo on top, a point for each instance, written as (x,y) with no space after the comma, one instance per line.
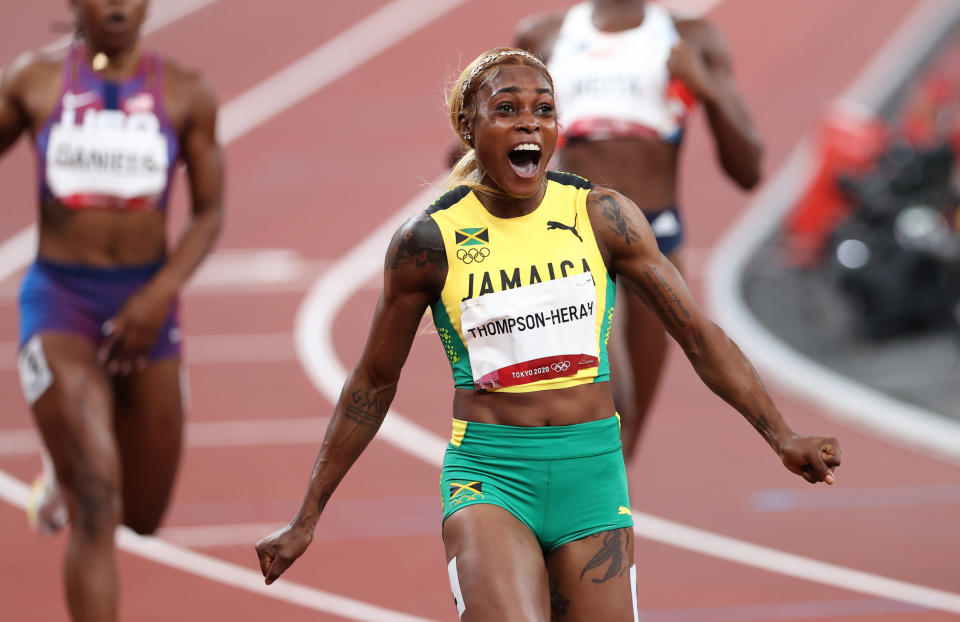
(553,224)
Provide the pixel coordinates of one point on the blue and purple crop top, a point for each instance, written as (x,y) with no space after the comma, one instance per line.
(108,144)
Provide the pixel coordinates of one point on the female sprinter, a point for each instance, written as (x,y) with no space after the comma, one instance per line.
(627,73)
(517,265)
(99,337)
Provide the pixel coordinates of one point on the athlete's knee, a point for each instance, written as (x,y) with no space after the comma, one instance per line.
(143,525)
(96,506)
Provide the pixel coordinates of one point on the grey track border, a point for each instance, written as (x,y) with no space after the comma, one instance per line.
(837,395)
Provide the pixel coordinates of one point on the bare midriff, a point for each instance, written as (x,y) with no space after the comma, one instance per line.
(101,237)
(579,404)
(644,170)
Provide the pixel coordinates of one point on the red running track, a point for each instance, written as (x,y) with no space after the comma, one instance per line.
(317,179)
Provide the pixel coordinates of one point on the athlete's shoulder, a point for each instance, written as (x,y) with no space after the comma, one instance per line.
(417,258)
(700,33)
(608,201)
(191,99)
(538,32)
(28,68)
(187,81)
(569,179)
(448,199)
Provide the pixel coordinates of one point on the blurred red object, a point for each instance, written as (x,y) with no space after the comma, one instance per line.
(850,140)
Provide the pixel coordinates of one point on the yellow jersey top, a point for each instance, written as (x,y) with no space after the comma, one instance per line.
(527,302)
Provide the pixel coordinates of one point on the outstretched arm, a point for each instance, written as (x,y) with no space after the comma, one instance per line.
(702,62)
(413,277)
(631,252)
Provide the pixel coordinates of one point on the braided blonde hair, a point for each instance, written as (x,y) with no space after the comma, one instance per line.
(462,104)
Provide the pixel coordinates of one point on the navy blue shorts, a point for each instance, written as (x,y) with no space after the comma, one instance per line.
(78,299)
(668,227)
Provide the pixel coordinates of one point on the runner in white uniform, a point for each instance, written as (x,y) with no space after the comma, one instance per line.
(627,74)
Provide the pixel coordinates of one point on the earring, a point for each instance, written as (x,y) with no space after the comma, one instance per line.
(467,136)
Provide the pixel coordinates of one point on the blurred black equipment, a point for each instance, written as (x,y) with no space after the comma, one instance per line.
(897,256)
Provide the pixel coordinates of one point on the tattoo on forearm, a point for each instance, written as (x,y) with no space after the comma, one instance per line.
(322,502)
(616,221)
(366,409)
(559,604)
(762,426)
(613,551)
(419,249)
(671,302)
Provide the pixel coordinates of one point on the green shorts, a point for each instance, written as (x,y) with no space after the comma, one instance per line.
(563,482)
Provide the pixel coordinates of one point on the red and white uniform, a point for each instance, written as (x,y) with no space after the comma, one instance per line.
(616,84)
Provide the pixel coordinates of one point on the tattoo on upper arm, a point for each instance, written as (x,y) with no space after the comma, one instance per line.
(422,249)
(366,409)
(671,302)
(615,551)
(615,220)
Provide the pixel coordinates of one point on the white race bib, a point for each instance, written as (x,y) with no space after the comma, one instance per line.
(35,374)
(110,154)
(536,332)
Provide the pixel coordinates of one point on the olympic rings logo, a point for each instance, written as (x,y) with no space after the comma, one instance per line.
(473,254)
(560,366)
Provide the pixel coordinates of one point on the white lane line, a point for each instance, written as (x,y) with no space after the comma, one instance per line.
(902,423)
(212,536)
(25,442)
(330,61)
(161,14)
(240,348)
(315,318)
(345,52)
(16,493)
(16,251)
(246,266)
(393,22)
(230,271)
(765,558)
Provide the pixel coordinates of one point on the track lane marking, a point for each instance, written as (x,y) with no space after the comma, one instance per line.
(16,493)
(25,442)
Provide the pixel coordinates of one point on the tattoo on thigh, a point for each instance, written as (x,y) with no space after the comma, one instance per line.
(613,551)
(559,605)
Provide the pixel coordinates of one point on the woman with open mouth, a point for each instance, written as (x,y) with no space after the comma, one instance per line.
(517,264)
(99,352)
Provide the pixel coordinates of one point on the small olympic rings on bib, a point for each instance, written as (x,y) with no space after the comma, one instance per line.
(473,255)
